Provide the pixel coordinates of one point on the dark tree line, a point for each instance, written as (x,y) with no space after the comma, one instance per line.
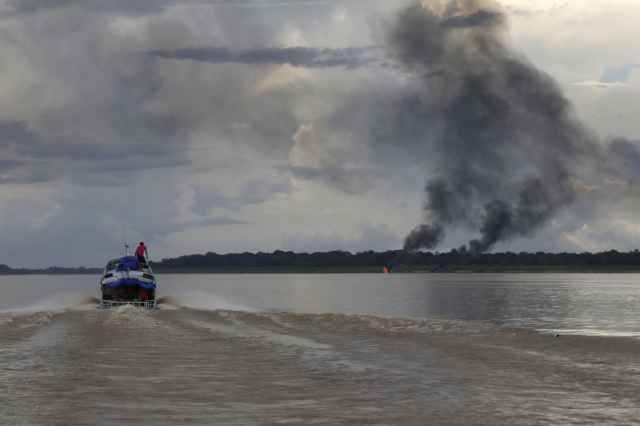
(277,259)
(54,270)
(611,257)
(341,258)
(370,258)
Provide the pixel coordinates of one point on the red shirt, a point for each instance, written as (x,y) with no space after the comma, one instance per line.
(140,250)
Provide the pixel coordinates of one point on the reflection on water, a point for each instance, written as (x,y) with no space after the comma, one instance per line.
(589,304)
(592,304)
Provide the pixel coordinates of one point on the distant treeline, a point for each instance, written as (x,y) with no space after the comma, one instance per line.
(54,270)
(340,258)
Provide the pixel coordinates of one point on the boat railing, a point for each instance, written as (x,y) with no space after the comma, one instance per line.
(147,304)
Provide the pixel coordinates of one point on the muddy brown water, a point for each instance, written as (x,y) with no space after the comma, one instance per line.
(324,349)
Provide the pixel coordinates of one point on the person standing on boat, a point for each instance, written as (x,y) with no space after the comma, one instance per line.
(141,251)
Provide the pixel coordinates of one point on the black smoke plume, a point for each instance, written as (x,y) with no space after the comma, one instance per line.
(460,256)
(424,236)
(402,258)
(506,144)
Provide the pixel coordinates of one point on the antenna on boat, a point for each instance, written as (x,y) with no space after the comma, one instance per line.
(124,238)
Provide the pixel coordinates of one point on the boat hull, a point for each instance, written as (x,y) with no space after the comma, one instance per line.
(125,282)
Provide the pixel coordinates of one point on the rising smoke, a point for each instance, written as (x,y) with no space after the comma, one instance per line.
(506,144)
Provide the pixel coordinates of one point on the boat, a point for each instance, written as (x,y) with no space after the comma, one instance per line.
(125,281)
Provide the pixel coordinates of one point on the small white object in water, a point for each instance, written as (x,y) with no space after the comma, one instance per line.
(556,335)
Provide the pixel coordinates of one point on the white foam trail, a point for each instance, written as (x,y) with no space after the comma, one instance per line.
(204,301)
(42,312)
(73,302)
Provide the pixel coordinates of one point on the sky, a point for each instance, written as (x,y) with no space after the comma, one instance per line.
(262,125)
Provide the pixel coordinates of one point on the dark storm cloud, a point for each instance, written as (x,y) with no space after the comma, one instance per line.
(19,174)
(208,198)
(330,174)
(218,221)
(365,236)
(137,8)
(6,165)
(209,221)
(17,132)
(93,161)
(26,142)
(624,160)
(308,57)
(120,7)
(106,122)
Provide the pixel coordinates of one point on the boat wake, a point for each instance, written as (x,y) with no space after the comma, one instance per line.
(201,301)
(220,309)
(43,311)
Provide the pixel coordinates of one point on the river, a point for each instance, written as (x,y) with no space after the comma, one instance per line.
(445,349)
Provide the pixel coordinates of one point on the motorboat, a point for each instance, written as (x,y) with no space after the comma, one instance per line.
(125,281)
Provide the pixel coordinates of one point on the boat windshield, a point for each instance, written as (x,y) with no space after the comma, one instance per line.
(112,264)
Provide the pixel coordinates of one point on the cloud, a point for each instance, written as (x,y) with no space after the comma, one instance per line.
(618,75)
(94,131)
(468,111)
(79,225)
(120,7)
(218,221)
(349,180)
(606,234)
(320,155)
(626,159)
(520,12)
(600,84)
(208,198)
(612,77)
(366,236)
(141,8)
(308,57)
(94,162)
(478,18)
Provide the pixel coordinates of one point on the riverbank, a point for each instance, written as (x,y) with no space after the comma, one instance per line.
(594,269)
(407,269)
